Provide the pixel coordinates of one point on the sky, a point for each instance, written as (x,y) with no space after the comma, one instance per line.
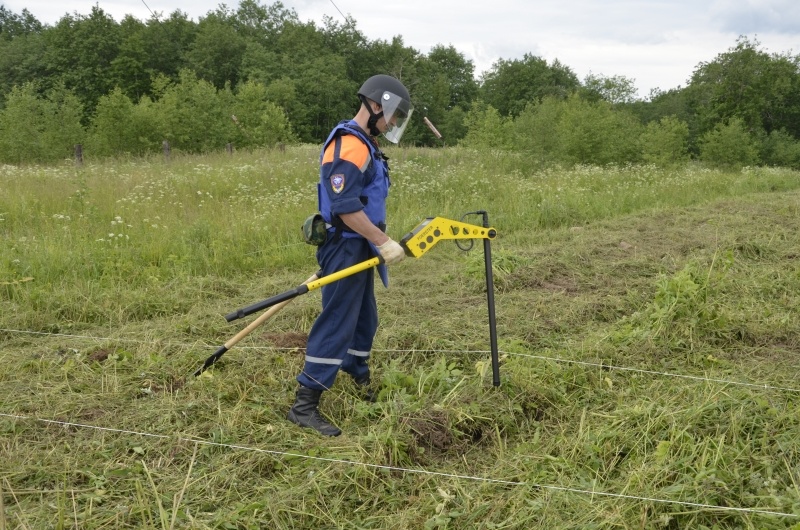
(656,43)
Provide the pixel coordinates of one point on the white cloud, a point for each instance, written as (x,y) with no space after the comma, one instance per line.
(757,16)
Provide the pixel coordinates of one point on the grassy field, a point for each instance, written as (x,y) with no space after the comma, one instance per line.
(647,323)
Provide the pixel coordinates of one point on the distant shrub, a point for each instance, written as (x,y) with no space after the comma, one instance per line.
(122,127)
(665,143)
(728,146)
(596,133)
(559,132)
(779,148)
(195,119)
(534,131)
(259,122)
(39,129)
(452,126)
(486,128)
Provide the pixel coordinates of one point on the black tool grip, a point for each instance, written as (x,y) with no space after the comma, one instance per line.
(269,302)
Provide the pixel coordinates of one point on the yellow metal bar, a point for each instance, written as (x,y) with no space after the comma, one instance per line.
(434,229)
(349,271)
(303,289)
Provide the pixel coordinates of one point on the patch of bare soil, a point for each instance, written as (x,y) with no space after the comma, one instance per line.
(560,285)
(99,355)
(432,432)
(434,438)
(287,340)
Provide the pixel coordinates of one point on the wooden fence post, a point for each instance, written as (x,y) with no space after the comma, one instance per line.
(79,154)
(165,146)
(229,148)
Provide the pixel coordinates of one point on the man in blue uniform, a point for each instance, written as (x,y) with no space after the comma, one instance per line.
(352,191)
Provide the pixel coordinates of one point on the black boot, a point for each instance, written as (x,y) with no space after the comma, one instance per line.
(305,412)
(364,382)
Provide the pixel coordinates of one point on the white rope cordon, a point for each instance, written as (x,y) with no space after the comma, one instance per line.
(66,335)
(756,511)
(653,372)
(763,386)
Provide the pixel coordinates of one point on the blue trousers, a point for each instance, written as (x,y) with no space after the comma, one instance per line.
(341,336)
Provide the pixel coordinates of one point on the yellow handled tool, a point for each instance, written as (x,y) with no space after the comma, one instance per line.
(416,243)
(276,303)
(304,288)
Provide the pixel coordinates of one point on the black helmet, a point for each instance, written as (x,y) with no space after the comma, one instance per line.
(394,100)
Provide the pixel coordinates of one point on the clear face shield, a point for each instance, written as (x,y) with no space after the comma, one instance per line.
(396,113)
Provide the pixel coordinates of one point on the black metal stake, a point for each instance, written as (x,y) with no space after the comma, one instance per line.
(487,258)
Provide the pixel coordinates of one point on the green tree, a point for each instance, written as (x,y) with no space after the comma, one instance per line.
(660,104)
(452,126)
(779,148)
(260,63)
(147,127)
(458,71)
(64,129)
(595,133)
(313,87)
(444,90)
(283,92)
(344,39)
(760,89)
(122,127)
(21,61)
(34,128)
(615,89)
(486,128)
(196,119)
(511,84)
(393,58)
(728,146)
(130,69)
(665,142)
(323,104)
(259,122)
(261,23)
(13,25)
(80,51)
(261,27)
(535,131)
(167,42)
(22,49)
(22,123)
(217,51)
(431,97)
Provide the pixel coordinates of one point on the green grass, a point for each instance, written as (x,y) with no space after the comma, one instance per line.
(647,325)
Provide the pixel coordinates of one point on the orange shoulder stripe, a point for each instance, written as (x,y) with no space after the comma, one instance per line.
(353,150)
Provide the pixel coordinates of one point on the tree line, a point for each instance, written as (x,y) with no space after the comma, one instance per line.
(256,75)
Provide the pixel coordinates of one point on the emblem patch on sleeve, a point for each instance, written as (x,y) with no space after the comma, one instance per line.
(337,183)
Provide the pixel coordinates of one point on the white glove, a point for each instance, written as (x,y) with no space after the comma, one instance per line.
(391,252)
